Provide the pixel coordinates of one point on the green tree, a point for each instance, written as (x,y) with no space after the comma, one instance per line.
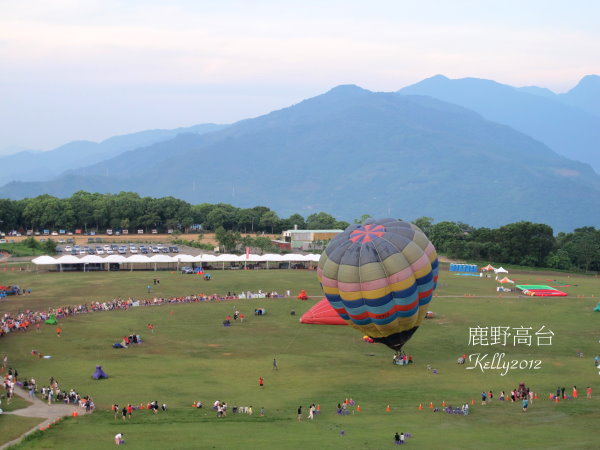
(269,220)
(320,221)
(425,224)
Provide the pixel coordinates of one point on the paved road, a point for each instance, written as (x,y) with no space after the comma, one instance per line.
(40,409)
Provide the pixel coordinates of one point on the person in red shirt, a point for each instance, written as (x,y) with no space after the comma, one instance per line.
(260,382)
(58,331)
(589,392)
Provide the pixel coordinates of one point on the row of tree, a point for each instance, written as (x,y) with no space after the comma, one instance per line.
(127,210)
(522,243)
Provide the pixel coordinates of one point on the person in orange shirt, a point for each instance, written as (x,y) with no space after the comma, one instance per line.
(58,331)
(574,391)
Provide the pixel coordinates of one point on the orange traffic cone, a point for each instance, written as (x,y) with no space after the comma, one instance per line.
(549,396)
(431,405)
(358,408)
(388,408)
(443,403)
(420,407)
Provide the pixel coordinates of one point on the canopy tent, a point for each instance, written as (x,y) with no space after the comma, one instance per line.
(44,260)
(166,259)
(488,268)
(597,308)
(322,313)
(506,280)
(501,270)
(99,373)
(115,259)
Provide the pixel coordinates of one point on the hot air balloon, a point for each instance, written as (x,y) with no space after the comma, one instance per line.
(379,277)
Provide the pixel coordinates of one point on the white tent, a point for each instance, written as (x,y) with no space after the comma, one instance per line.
(68,259)
(162,259)
(91,259)
(185,258)
(44,260)
(115,259)
(500,270)
(137,259)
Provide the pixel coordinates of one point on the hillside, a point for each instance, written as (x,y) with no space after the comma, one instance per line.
(351,151)
(32,165)
(559,121)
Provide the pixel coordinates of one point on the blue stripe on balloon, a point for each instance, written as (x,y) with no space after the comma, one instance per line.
(387,320)
(356,307)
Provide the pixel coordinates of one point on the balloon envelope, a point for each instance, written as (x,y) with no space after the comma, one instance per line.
(379,277)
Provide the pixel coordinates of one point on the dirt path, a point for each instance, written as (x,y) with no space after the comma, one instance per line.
(40,409)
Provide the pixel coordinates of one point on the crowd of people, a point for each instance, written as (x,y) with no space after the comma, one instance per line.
(22,321)
(51,393)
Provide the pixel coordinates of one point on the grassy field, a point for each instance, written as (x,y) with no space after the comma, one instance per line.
(191,357)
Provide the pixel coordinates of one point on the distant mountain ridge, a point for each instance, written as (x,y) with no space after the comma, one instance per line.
(351,151)
(33,165)
(559,121)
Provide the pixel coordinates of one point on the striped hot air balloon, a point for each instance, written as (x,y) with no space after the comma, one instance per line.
(379,277)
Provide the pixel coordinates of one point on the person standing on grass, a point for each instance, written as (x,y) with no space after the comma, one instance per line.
(299,413)
(525,404)
(124,413)
(129,410)
(115,408)
(58,331)
(275,364)
(574,391)
(589,392)
(397,438)
(260,381)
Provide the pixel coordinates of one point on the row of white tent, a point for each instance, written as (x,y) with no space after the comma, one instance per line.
(205,258)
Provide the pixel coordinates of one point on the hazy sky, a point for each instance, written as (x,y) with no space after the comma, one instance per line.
(96,68)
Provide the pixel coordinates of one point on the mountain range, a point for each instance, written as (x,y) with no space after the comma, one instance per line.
(45,165)
(349,152)
(567,123)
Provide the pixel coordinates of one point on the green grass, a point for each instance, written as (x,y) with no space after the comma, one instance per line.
(15,403)
(191,356)
(11,427)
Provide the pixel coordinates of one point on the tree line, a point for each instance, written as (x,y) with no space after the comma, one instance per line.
(521,243)
(127,210)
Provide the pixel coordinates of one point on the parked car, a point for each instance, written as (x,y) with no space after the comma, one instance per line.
(165,249)
(122,250)
(174,249)
(155,249)
(187,269)
(68,248)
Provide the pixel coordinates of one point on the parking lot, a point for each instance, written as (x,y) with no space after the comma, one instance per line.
(117,249)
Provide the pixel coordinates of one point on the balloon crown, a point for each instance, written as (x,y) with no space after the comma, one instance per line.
(367,233)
